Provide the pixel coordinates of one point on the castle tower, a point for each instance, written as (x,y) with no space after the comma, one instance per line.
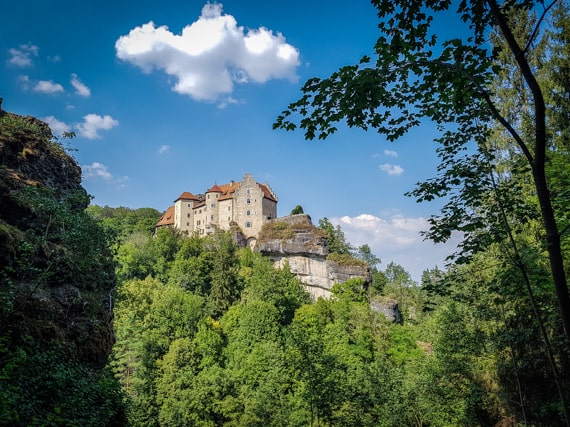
(184,212)
(212,208)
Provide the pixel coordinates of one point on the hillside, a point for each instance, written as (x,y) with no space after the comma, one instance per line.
(57,282)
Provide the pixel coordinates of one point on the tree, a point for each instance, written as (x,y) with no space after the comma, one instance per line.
(365,254)
(297,210)
(418,76)
(336,241)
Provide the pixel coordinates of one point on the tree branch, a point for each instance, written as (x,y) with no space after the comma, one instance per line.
(539,105)
(537,26)
(487,98)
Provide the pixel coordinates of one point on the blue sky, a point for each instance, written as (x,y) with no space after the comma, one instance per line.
(174,96)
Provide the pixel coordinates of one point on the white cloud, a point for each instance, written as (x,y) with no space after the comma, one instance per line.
(163,149)
(93,123)
(390,153)
(210,55)
(397,239)
(392,169)
(25,82)
(47,86)
(57,127)
(96,170)
(80,88)
(22,57)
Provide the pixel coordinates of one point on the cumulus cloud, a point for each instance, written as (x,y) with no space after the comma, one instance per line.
(391,169)
(22,56)
(57,127)
(80,88)
(210,55)
(93,123)
(47,86)
(163,149)
(390,153)
(96,170)
(397,239)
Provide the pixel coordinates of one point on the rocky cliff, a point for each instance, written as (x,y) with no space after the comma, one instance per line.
(55,270)
(295,241)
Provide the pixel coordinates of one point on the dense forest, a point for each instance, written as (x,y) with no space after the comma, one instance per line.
(106,323)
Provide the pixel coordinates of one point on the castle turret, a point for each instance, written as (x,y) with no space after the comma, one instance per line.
(184,212)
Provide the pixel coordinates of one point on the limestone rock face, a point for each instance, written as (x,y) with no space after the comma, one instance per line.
(388,307)
(55,271)
(295,241)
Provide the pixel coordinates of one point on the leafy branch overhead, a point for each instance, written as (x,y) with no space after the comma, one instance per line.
(459,84)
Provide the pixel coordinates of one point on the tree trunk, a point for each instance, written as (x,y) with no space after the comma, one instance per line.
(537,163)
(553,247)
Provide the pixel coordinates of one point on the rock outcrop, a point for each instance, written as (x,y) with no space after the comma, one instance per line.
(56,273)
(295,241)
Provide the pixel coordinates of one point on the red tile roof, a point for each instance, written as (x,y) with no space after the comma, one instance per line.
(167,217)
(266,193)
(186,196)
(215,189)
(226,192)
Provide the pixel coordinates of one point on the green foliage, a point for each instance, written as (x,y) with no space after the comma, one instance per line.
(11,124)
(277,230)
(336,241)
(365,254)
(47,388)
(345,259)
(62,243)
(121,222)
(297,210)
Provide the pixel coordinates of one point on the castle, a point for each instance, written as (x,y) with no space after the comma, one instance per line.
(247,204)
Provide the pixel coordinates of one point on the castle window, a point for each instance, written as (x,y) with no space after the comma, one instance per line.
(211,217)
(216,196)
(228,208)
(212,205)
(229,219)
(187,224)
(188,215)
(189,205)
(248,213)
(208,196)
(248,201)
(199,222)
(248,224)
(200,211)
